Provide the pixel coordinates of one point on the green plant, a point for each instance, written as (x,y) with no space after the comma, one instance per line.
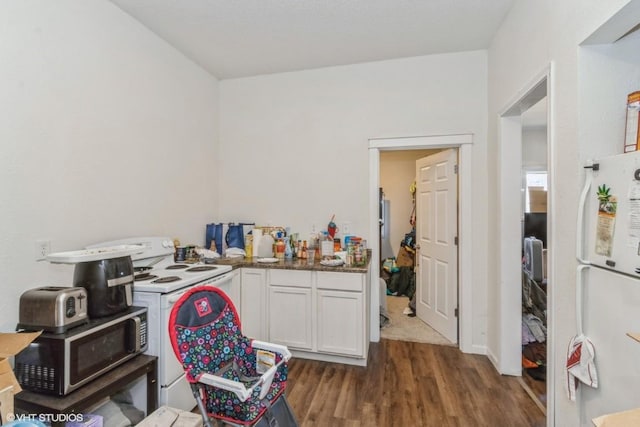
(604,193)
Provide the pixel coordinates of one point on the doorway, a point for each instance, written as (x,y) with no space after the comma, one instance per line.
(535,246)
(463,143)
(514,198)
(398,249)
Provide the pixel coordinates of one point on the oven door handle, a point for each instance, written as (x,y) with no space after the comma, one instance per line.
(174,298)
(223,277)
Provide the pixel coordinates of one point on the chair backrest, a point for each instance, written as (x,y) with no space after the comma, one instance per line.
(204,330)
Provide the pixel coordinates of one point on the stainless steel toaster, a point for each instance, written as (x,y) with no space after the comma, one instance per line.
(54,309)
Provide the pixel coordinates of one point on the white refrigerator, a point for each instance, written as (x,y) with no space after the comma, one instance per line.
(608,285)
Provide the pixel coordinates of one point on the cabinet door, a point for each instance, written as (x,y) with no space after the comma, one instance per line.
(290,317)
(340,325)
(253,289)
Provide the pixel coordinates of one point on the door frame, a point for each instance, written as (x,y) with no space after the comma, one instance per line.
(463,142)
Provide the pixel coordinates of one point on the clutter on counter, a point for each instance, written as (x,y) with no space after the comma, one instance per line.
(333,265)
(270,243)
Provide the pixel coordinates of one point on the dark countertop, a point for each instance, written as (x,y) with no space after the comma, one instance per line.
(291,264)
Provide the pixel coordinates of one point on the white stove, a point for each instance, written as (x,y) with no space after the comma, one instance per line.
(158,284)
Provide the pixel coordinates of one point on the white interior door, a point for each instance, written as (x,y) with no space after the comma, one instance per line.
(437,250)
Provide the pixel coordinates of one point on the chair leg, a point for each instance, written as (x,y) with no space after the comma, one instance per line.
(293,416)
(268,415)
(203,411)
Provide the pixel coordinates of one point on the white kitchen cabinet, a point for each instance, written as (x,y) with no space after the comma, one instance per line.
(253,303)
(341,315)
(340,322)
(291,308)
(234,291)
(290,317)
(320,315)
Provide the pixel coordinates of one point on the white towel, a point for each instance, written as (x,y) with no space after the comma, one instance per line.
(235,252)
(580,365)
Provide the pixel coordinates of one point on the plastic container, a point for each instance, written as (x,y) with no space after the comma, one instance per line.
(326,247)
(311,256)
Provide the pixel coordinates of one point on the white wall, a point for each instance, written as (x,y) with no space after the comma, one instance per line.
(397,172)
(295,144)
(534,149)
(105,132)
(533,35)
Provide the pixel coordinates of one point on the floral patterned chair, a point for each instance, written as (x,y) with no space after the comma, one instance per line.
(235,380)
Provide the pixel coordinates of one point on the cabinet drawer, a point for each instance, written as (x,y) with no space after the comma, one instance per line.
(341,281)
(293,278)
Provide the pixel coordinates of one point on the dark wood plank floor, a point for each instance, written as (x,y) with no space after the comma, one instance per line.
(409,384)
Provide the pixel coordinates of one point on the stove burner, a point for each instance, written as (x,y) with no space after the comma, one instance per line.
(167,279)
(144,276)
(177,266)
(202,268)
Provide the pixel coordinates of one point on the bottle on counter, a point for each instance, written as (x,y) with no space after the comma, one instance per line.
(288,251)
(256,236)
(280,248)
(248,246)
(303,253)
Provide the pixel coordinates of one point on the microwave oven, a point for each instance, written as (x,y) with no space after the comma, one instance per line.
(60,363)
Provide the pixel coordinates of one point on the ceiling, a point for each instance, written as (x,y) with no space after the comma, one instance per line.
(240,38)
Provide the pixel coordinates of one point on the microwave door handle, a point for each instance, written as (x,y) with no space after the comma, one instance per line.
(134,339)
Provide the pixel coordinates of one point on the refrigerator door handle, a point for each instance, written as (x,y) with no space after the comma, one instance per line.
(580,228)
(579,285)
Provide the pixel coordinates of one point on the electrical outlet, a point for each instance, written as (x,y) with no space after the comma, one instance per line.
(313,228)
(345,229)
(43,248)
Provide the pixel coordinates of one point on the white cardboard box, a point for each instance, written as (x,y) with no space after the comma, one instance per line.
(166,416)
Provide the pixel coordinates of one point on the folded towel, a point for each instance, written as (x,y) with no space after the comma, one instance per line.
(234,252)
(207,253)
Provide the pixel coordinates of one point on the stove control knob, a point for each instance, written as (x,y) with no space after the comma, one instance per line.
(167,243)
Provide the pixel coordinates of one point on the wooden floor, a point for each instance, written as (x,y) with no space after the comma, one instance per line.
(538,388)
(409,384)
